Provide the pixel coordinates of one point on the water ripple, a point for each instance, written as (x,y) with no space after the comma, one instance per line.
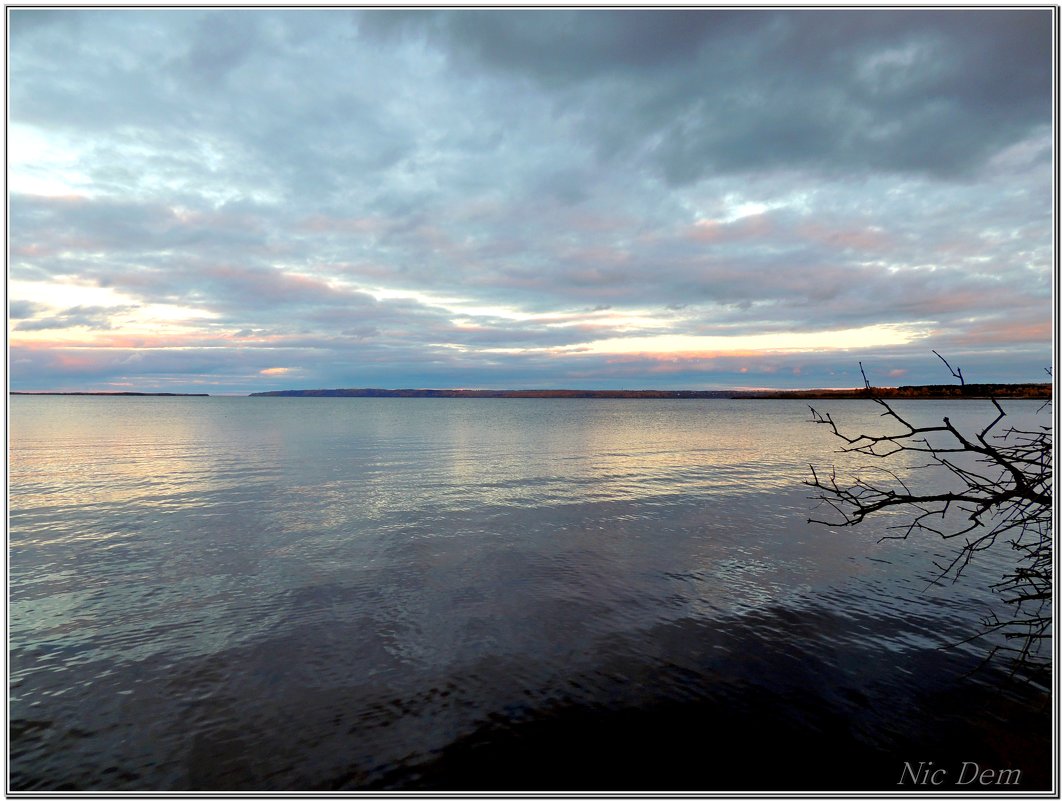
(231,594)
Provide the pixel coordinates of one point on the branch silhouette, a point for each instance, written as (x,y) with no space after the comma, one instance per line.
(1001,495)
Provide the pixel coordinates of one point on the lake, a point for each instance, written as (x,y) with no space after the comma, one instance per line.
(360,593)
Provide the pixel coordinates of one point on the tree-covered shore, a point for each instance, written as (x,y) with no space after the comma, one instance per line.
(939,391)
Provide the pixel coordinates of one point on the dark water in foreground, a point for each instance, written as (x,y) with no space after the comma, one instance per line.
(322,594)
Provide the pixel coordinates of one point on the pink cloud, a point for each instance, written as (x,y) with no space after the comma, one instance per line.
(844,238)
(322,223)
(1006,332)
(753,226)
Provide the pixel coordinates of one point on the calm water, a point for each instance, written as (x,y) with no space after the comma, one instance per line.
(334,593)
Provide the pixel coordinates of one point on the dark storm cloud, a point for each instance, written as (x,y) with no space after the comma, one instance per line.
(451,197)
(220,43)
(563,45)
(703,92)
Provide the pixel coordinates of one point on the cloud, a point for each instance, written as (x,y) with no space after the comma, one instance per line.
(92,317)
(482,195)
(220,44)
(23,309)
(911,91)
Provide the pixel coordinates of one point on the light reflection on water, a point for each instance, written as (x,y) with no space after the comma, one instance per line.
(235,593)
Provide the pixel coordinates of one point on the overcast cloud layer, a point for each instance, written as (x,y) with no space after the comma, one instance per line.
(234,201)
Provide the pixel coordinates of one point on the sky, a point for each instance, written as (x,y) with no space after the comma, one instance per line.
(232,201)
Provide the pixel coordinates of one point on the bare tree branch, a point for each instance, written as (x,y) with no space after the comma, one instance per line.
(954,372)
(1002,497)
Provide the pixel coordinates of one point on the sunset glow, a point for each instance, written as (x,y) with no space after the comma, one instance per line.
(430,210)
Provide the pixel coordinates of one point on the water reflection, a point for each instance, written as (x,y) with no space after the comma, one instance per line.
(334,593)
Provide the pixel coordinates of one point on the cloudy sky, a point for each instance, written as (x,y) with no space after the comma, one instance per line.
(235,201)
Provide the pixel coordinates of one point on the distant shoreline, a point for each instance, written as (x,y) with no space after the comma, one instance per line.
(922,392)
(926,392)
(123,394)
